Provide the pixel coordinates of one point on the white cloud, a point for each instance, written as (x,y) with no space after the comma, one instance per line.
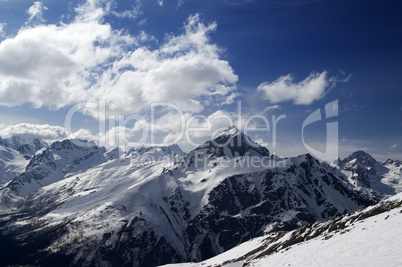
(142,22)
(183,69)
(2,26)
(35,12)
(125,137)
(312,88)
(394,146)
(42,131)
(53,65)
(46,132)
(84,134)
(180,3)
(230,98)
(93,10)
(269,109)
(192,130)
(130,14)
(87,60)
(160,2)
(261,142)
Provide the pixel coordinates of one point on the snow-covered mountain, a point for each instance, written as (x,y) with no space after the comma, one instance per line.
(15,153)
(25,145)
(230,143)
(363,170)
(154,153)
(392,176)
(146,153)
(369,237)
(12,163)
(52,164)
(76,204)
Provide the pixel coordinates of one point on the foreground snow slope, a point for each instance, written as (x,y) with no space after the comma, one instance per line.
(370,237)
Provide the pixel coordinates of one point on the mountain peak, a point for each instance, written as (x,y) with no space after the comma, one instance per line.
(231,130)
(362,157)
(231,142)
(396,163)
(361,166)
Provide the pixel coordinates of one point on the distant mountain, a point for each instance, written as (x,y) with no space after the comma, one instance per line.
(25,145)
(14,155)
(392,174)
(369,237)
(76,204)
(12,163)
(49,166)
(362,170)
(114,153)
(154,153)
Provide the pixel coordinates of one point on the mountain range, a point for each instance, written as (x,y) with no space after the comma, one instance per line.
(72,203)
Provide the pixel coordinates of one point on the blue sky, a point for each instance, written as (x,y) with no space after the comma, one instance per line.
(207,59)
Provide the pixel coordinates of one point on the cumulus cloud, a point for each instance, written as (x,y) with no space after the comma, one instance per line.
(35,12)
(42,131)
(313,87)
(230,98)
(181,71)
(93,10)
(53,65)
(87,60)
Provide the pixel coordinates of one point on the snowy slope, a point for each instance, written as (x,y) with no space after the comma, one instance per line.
(12,163)
(365,238)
